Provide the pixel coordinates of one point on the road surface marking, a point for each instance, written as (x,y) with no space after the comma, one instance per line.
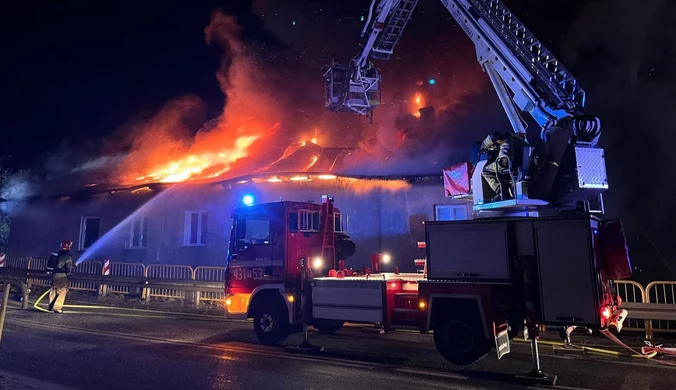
(431,373)
(160,316)
(220,317)
(220,348)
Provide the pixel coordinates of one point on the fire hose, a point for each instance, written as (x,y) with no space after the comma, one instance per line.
(37,301)
(647,352)
(650,348)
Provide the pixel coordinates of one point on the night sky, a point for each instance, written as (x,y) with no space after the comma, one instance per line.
(74,72)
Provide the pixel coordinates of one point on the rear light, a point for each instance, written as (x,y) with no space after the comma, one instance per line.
(606,313)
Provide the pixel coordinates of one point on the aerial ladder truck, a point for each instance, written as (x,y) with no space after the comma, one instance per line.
(540,259)
(562,177)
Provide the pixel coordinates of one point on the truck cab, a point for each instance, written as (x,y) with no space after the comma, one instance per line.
(267,242)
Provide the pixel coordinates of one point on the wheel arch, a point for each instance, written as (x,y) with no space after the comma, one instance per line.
(441,304)
(266,294)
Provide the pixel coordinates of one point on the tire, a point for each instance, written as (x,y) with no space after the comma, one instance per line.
(271,324)
(328,326)
(461,341)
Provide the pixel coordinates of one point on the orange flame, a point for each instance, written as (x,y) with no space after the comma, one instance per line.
(196,164)
(314,160)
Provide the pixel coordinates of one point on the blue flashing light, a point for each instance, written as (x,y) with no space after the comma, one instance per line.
(432,81)
(248,200)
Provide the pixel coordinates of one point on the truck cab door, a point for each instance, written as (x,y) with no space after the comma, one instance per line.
(255,238)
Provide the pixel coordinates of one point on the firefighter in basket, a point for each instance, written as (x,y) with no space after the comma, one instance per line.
(60,266)
(499,173)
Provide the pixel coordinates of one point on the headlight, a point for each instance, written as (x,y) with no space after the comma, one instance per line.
(317,263)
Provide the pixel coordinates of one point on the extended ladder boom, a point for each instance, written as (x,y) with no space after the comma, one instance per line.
(525,75)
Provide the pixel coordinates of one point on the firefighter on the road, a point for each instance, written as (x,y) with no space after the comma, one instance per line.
(62,269)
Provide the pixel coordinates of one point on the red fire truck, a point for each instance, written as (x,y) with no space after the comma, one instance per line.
(483,277)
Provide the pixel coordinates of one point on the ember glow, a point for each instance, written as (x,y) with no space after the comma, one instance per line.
(418,105)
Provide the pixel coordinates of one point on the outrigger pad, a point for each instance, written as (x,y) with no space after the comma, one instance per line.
(304,347)
(536,378)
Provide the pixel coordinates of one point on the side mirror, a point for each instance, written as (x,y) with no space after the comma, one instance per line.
(240,246)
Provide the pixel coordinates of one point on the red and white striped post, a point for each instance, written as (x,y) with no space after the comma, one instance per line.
(103,289)
(2,260)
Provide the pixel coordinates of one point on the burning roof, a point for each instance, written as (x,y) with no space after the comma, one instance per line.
(298,159)
(257,133)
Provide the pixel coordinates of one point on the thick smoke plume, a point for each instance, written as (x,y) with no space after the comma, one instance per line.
(274,97)
(178,142)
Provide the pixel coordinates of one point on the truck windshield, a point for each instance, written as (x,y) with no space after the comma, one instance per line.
(254,230)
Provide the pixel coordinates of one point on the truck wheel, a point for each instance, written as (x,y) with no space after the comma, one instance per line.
(271,325)
(460,341)
(328,326)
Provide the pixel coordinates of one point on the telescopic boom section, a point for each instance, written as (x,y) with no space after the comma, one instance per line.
(525,75)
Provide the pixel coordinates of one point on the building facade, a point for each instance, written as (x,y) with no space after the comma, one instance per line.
(190,223)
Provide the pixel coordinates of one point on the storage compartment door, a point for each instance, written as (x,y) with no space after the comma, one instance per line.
(567,277)
(473,250)
(348,300)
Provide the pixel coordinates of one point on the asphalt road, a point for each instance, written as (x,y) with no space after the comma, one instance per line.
(112,348)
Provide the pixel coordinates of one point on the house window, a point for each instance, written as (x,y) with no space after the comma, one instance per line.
(89,232)
(138,232)
(195,228)
(450,212)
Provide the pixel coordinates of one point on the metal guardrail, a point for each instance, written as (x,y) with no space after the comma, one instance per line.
(662,293)
(172,272)
(186,285)
(124,269)
(632,292)
(134,270)
(651,308)
(90,268)
(212,274)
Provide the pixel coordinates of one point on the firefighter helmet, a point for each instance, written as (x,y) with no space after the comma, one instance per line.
(66,245)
